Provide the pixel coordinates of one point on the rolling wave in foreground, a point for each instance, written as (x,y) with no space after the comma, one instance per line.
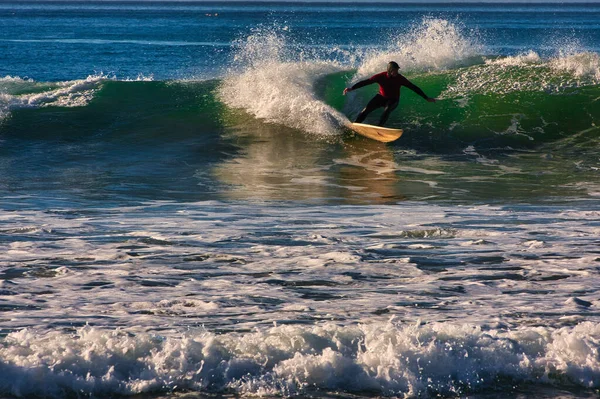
(381,359)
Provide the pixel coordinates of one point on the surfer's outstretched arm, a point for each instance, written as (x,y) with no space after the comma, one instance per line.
(417,90)
(358,85)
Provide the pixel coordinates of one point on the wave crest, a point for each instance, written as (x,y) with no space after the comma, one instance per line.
(527,72)
(16,92)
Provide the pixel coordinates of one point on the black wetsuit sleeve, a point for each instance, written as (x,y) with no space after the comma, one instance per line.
(415,88)
(362,83)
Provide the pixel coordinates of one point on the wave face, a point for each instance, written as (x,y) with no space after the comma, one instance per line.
(92,106)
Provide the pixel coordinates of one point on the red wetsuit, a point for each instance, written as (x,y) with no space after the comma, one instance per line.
(389,86)
(389,94)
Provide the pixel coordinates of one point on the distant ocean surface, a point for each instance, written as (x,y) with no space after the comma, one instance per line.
(183,213)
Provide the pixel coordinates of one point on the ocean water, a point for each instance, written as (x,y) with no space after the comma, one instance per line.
(184,215)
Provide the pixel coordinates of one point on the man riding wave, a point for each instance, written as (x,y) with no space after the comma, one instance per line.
(388,97)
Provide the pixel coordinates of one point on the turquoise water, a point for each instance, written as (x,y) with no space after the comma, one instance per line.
(184,213)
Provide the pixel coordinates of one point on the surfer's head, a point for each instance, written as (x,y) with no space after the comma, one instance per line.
(392,68)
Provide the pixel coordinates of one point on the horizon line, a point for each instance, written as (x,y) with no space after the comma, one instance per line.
(520,2)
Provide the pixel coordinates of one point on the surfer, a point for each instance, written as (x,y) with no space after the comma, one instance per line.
(388,97)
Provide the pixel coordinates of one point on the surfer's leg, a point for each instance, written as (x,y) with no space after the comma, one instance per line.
(376,102)
(390,106)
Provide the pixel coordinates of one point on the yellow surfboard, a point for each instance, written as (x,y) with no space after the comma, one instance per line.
(383,134)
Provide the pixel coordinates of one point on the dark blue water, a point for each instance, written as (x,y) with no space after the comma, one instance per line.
(62,41)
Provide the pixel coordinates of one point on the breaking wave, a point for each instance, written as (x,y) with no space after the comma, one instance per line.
(387,359)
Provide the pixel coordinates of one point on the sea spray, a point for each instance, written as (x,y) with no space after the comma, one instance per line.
(583,66)
(267,82)
(431,45)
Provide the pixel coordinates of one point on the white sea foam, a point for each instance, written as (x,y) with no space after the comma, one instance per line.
(527,72)
(388,358)
(186,258)
(582,65)
(18,93)
(64,94)
(529,58)
(279,300)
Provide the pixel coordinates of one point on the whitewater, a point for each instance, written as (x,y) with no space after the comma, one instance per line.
(184,213)
(383,303)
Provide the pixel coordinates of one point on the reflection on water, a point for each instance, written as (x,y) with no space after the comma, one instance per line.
(275,163)
(271,162)
(369,169)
